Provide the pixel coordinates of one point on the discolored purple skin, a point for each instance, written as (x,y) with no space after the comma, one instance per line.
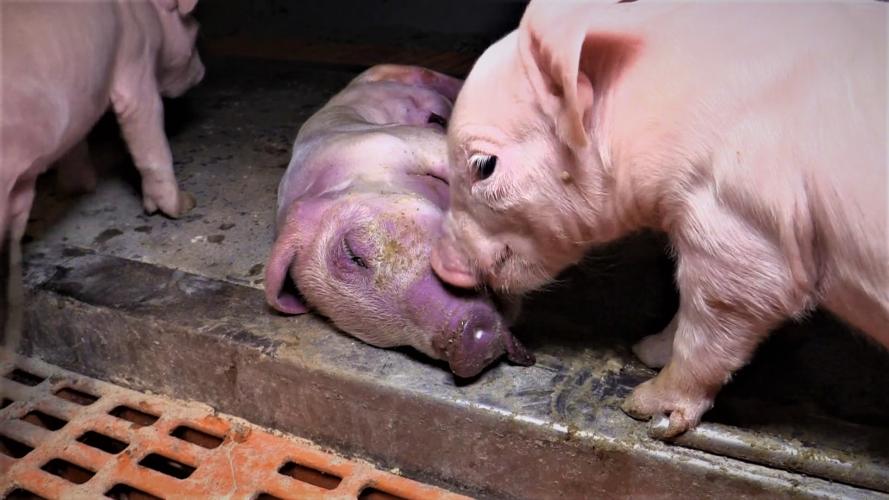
(359,209)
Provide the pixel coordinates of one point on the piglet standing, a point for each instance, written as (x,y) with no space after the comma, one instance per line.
(359,209)
(63,65)
(753,134)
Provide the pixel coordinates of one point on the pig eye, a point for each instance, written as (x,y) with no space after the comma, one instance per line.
(359,261)
(483,166)
(438,120)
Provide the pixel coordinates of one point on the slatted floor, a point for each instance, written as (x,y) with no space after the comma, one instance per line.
(63,435)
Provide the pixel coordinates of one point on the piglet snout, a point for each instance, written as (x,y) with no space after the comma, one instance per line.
(479,338)
(451,265)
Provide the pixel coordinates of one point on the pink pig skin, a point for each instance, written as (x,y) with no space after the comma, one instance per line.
(359,209)
(63,65)
(753,134)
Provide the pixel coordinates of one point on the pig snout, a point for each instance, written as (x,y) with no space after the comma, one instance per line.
(477,339)
(451,264)
(465,327)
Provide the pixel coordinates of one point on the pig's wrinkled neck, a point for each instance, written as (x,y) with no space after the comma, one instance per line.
(625,195)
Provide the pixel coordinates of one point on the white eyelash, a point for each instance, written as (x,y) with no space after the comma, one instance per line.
(476,160)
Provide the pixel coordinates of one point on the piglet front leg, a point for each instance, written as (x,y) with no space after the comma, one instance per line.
(140,112)
(735,287)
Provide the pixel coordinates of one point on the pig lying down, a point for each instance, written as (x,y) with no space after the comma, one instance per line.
(63,65)
(754,135)
(359,209)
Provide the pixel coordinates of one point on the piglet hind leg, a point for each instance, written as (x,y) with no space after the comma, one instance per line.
(140,113)
(655,350)
(735,288)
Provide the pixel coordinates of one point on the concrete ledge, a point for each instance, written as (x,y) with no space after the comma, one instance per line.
(153,328)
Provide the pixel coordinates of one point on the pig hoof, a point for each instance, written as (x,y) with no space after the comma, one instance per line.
(663,427)
(186,203)
(670,414)
(149,206)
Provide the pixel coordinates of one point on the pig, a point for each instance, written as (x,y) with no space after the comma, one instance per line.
(64,64)
(753,134)
(359,208)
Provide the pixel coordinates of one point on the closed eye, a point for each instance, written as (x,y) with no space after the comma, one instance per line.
(358,260)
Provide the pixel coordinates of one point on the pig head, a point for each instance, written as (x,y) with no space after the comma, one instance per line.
(359,209)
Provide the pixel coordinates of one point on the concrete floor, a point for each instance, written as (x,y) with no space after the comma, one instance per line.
(231,140)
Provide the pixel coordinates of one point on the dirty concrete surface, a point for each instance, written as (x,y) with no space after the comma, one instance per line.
(114,269)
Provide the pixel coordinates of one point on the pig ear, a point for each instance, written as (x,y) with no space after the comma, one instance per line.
(280,290)
(572,54)
(445,85)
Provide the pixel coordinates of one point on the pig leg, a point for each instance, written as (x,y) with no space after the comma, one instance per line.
(735,287)
(141,118)
(19,207)
(655,350)
(14,300)
(75,172)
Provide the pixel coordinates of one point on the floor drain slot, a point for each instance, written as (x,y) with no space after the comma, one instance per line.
(375,494)
(167,466)
(122,491)
(309,475)
(24,378)
(6,402)
(40,419)
(20,494)
(133,415)
(105,443)
(197,437)
(68,471)
(11,447)
(77,397)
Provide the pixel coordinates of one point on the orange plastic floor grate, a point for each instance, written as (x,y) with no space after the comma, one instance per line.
(63,435)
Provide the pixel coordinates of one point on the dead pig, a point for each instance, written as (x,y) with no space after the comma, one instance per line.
(359,209)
